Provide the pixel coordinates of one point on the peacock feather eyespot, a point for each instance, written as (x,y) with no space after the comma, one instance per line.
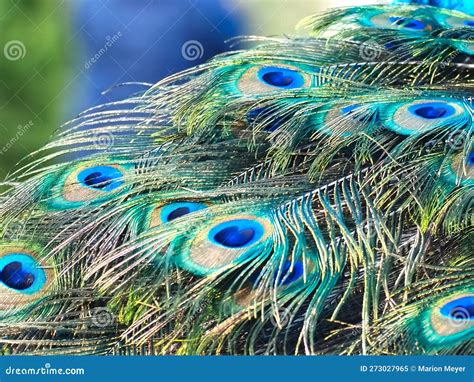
(282,78)
(422,115)
(223,242)
(259,80)
(343,120)
(91,182)
(20,272)
(24,277)
(359,112)
(287,274)
(347,110)
(451,319)
(464,46)
(169,212)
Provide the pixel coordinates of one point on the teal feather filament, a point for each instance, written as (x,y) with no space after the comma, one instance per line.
(260,80)
(281,77)
(21,272)
(162,213)
(105,178)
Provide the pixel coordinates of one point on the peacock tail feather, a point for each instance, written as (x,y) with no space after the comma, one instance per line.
(309,195)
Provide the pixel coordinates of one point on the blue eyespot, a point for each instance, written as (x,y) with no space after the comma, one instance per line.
(459,309)
(469,23)
(280,77)
(432,110)
(22,273)
(237,233)
(288,277)
(103,178)
(265,115)
(408,23)
(176,210)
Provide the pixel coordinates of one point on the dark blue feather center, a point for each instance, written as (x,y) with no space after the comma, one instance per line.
(178,212)
(97,180)
(16,277)
(237,233)
(432,110)
(234,237)
(470,159)
(281,77)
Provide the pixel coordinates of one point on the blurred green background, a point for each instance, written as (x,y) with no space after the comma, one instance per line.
(32,75)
